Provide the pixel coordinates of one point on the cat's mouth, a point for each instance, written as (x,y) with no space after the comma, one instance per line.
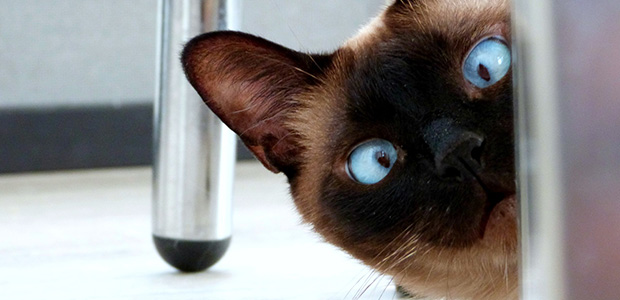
(500,210)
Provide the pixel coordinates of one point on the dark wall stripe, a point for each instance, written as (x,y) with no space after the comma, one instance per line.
(77,138)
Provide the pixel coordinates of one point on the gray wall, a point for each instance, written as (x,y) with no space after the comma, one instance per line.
(56,53)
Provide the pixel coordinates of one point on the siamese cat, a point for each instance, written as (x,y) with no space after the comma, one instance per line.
(398,146)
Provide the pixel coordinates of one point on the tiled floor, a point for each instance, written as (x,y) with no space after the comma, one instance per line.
(86,235)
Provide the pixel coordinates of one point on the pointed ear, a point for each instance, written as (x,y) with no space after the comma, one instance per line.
(251,84)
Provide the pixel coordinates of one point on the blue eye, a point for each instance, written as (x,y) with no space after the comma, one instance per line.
(487,63)
(371,161)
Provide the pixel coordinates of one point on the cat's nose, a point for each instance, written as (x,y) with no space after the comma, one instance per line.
(457,151)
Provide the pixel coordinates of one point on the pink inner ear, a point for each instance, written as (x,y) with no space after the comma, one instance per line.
(250,83)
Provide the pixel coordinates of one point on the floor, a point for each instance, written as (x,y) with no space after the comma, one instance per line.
(86,235)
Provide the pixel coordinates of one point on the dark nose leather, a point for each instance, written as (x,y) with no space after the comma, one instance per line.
(457,151)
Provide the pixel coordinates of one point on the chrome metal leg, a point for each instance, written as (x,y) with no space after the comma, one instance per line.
(568,108)
(194,152)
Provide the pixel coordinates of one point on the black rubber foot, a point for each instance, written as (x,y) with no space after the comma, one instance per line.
(190,256)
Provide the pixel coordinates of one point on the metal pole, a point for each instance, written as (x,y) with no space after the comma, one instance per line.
(569,127)
(194,152)
(540,186)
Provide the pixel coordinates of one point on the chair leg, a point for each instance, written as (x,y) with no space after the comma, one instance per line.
(194,152)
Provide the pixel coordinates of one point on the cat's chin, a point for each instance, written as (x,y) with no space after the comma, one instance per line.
(486,270)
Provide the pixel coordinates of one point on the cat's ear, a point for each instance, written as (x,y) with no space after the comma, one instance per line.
(251,84)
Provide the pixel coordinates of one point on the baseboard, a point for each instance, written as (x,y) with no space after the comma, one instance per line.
(77,138)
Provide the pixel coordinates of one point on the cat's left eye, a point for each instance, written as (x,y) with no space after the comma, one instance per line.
(371,161)
(487,63)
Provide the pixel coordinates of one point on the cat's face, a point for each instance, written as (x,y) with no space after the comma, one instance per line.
(398,146)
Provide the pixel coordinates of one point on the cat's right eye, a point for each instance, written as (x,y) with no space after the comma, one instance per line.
(487,63)
(371,161)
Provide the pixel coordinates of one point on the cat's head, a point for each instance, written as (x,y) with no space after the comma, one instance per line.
(398,146)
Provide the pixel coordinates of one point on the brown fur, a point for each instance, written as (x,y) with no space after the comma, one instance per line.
(289,109)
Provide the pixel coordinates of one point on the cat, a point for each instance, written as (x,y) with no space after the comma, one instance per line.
(398,146)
